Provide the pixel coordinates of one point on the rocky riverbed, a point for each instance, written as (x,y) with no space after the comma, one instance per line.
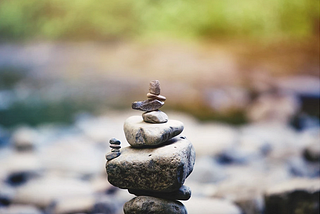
(260,167)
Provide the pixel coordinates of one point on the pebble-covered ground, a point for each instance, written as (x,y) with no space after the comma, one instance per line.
(267,164)
(60,169)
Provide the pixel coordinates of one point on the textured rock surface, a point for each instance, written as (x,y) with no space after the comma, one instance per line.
(147,105)
(154,169)
(141,134)
(295,196)
(184,193)
(155,117)
(147,204)
(154,87)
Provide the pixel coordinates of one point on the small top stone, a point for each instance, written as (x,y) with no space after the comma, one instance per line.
(154,87)
(114,141)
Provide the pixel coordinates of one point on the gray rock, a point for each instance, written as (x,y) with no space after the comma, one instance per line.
(295,196)
(112,155)
(162,169)
(147,105)
(184,193)
(114,141)
(147,204)
(155,117)
(154,87)
(141,134)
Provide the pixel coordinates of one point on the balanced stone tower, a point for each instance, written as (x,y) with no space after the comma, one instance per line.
(156,164)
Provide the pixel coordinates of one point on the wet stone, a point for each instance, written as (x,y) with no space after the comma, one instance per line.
(184,193)
(147,105)
(141,134)
(155,117)
(147,204)
(154,87)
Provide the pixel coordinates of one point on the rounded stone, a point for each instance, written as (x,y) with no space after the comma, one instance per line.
(114,141)
(155,117)
(147,204)
(141,134)
(161,169)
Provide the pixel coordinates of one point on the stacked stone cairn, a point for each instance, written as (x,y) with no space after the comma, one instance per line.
(157,162)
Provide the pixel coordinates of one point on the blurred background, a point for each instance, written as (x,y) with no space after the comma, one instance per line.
(243,76)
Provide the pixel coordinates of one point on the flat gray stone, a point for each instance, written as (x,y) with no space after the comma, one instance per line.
(147,204)
(184,193)
(162,169)
(155,117)
(147,105)
(141,134)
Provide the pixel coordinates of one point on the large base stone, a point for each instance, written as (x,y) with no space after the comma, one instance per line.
(162,169)
(147,204)
(141,134)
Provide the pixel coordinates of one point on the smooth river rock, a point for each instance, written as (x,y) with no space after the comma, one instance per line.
(141,134)
(155,117)
(162,169)
(184,193)
(147,204)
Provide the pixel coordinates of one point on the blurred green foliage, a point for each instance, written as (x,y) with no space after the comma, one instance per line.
(105,20)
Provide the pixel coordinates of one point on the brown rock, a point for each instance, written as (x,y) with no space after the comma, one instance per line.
(155,117)
(154,87)
(156,97)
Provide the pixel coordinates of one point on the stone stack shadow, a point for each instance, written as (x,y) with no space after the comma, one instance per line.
(157,162)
